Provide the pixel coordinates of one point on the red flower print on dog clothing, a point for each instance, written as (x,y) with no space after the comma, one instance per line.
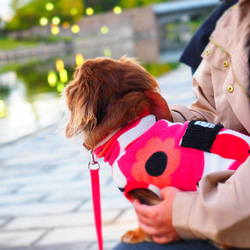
(154,154)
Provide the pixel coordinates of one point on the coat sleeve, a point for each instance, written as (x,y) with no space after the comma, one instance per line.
(203,108)
(219,211)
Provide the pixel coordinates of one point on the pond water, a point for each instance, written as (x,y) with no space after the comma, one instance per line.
(30,95)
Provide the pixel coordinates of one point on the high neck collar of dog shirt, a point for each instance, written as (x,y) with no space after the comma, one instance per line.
(108,147)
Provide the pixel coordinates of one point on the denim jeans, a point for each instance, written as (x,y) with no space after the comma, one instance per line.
(178,245)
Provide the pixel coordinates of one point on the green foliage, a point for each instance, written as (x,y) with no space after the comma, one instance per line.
(28,15)
(138,3)
(101,5)
(4,91)
(107,5)
(157,69)
(9,44)
(47,39)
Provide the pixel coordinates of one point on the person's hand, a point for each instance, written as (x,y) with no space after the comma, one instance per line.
(157,220)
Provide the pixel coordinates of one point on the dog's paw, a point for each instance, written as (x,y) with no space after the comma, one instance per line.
(135,236)
(222,246)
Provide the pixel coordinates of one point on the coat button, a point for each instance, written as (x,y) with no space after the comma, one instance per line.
(230,89)
(207,52)
(225,64)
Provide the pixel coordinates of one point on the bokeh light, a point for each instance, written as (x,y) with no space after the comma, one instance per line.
(117,10)
(52,78)
(63,74)
(104,29)
(65,25)
(49,6)
(75,28)
(107,52)
(43,21)
(55,30)
(59,65)
(2,108)
(56,20)
(79,59)
(89,11)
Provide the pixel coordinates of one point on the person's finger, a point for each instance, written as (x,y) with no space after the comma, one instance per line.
(151,216)
(144,213)
(148,229)
(142,210)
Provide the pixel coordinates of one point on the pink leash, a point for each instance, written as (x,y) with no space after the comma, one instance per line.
(96,197)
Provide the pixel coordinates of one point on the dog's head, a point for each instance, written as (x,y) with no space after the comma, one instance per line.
(107,91)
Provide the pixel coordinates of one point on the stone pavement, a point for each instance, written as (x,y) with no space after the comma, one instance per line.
(45,193)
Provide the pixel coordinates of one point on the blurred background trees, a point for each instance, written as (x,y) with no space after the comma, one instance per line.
(137,3)
(28,14)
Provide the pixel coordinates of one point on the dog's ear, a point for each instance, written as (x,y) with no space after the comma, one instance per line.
(159,106)
(80,97)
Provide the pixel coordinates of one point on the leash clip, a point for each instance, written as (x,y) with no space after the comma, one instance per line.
(93,165)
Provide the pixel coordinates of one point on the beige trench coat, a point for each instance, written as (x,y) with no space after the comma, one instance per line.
(220,211)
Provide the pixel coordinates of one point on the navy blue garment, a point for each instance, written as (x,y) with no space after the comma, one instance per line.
(177,245)
(192,53)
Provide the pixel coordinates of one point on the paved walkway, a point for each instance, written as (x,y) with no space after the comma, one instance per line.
(45,194)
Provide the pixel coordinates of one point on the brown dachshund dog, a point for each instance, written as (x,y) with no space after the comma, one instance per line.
(106,95)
